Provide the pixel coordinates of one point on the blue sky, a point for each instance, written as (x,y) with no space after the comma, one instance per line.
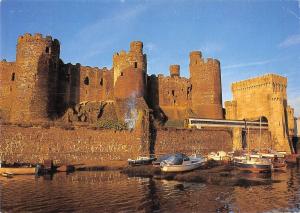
(250,38)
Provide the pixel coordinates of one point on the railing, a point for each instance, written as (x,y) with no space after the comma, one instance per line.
(199,123)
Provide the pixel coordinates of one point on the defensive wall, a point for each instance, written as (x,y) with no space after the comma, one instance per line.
(104,147)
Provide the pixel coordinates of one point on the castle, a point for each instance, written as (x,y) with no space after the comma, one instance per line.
(39,86)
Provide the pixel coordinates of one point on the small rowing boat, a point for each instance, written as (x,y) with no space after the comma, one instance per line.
(7,174)
(18,170)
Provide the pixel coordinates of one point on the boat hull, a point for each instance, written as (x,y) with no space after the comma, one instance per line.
(140,162)
(254,167)
(181,168)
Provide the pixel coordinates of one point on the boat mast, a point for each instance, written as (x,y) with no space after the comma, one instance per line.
(259,133)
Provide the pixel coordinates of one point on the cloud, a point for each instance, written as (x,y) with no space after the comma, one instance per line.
(290,41)
(293,13)
(247,64)
(101,35)
(150,47)
(211,47)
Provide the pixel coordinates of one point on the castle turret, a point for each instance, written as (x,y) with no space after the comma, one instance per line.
(174,70)
(36,78)
(130,71)
(206,86)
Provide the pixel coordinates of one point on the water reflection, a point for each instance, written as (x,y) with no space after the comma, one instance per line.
(111,191)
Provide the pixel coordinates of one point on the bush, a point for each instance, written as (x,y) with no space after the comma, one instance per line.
(111,124)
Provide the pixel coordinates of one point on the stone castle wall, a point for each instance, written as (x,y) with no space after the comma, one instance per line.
(82,145)
(7,89)
(191,141)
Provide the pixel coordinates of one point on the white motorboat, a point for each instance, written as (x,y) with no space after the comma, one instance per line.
(181,163)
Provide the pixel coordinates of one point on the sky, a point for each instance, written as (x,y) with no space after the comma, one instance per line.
(249,37)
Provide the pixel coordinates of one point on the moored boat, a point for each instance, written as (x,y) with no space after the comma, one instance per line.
(279,165)
(141,161)
(160,159)
(254,164)
(7,174)
(218,156)
(181,163)
(18,170)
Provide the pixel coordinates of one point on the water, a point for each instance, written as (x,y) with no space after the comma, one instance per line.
(110,191)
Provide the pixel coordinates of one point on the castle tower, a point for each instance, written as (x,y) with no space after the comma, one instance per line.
(174,70)
(130,71)
(278,122)
(205,77)
(36,78)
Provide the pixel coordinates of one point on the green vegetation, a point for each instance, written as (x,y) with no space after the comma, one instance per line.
(111,124)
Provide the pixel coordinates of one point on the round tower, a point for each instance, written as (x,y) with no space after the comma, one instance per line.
(36,78)
(131,83)
(174,70)
(205,77)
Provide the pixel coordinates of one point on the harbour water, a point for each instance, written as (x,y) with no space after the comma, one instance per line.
(111,191)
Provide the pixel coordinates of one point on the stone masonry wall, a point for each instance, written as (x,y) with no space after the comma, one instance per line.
(7,88)
(189,141)
(82,145)
(206,86)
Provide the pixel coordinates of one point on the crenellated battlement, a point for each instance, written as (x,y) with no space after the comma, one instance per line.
(278,83)
(174,70)
(37,37)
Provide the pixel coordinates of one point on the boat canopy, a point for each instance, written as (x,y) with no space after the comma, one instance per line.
(177,159)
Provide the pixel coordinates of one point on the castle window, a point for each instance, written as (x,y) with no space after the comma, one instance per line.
(13,77)
(121,73)
(135,64)
(173,92)
(101,82)
(47,49)
(86,81)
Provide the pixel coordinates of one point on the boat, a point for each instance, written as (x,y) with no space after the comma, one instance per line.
(293,159)
(18,170)
(279,164)
(253,164)
(157,162)
(219,156)
(7,174)
(181,163)
(141,161)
